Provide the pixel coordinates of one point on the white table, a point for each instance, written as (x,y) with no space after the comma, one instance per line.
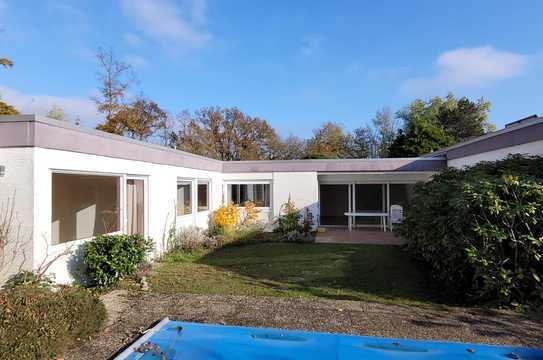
(354,215)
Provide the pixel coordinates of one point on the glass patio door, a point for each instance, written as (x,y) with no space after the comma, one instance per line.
(135,206)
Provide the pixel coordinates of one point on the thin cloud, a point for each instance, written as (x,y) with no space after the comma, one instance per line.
(131,39)
(468,68)
(136,61)
(74,108)
(175,26)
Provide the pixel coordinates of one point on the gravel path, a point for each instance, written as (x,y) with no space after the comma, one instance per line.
(132,312)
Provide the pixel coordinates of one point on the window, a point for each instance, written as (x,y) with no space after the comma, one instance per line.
(84,206)
(203,196)
(135,206)
(257,193)
(184,198)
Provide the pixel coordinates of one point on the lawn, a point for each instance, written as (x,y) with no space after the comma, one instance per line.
(348,272)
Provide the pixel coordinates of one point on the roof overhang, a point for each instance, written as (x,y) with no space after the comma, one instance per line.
(42,132)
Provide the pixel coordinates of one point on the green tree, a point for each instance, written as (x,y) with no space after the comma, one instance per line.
(463,119)
(437,123)
(57,113)
(329,142)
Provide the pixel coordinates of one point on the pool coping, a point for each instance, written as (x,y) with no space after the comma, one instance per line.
(136,344)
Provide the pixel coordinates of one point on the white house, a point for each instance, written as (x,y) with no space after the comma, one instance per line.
(66,185)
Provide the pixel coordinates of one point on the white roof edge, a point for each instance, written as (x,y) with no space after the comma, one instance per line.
(70,126)
(103,134)
(505,130)
(332,160)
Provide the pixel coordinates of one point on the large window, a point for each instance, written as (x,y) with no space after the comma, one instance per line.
(257,193)
(203,196)
(84,206)
(184,198)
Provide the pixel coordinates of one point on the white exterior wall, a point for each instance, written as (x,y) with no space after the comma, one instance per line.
(30,171)
(16,188)
(302,187)
(532,148)
(161,199)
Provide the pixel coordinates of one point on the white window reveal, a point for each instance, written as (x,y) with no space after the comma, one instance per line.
(184,198)
(84,206)
(257,193)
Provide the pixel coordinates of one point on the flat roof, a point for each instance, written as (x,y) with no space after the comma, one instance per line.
(43,132)
(516,133)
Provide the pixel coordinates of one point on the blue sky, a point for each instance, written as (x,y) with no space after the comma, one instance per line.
(294,63)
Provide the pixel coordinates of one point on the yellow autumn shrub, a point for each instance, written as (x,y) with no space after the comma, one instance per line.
(225,218)
(251,213)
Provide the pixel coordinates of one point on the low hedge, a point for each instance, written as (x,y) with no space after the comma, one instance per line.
(38,323)
(479,230)
(109,258)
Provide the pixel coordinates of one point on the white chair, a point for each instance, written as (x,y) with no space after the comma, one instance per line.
(396,214)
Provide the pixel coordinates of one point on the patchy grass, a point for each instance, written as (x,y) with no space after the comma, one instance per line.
(348,272)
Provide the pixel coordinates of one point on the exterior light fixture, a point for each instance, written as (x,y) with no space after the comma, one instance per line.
(2,170)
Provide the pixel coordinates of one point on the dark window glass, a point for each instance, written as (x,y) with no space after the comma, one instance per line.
(257,193)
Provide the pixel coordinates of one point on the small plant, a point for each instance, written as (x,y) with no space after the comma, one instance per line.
(23,278)
(290,218)
(251,213)
(225,219)
(189,239)
(109,258)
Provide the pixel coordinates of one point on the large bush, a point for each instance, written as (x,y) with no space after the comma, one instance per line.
(109,258)
(480,230)
(38,323)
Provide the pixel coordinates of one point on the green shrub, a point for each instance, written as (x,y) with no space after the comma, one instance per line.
(37,323)
(109,258)
(480,230)
(293,225)
(29,278)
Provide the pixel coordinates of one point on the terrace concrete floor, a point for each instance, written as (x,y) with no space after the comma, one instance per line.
(333,235)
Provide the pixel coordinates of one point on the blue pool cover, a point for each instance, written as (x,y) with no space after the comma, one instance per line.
(190,341)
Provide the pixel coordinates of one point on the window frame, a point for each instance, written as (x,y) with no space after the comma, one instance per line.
(192,197)
(227,192)
(121,199)
(208,195)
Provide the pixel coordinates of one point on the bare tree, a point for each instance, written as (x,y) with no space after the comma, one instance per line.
(115,78)
(11,246)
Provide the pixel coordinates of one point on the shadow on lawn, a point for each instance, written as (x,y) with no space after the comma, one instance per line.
(342,272)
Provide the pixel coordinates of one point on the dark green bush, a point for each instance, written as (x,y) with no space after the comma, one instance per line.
(37,323)
(480,230)
(109,258)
